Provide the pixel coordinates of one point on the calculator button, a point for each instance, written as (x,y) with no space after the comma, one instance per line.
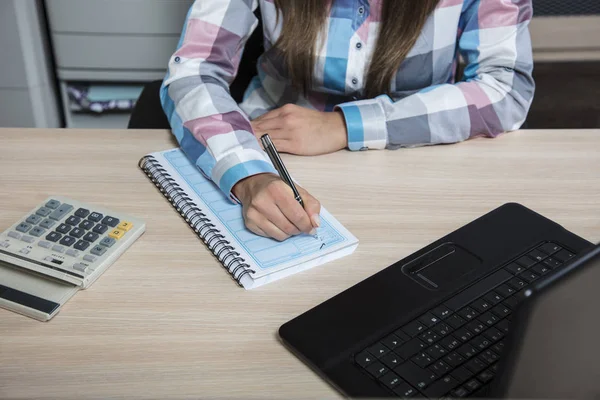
(53,236)
(28,239)
(96,217)
(91,237)
(107,242)
(79,267)
(61,211)
(110,221)
(14,235)
(53,204)
(98,250)
(47,224)
(87,225)
(125,226)
(116,234)
(43,212)
(77,233)
(25,251)
(72,253)
(82,213)
(68,241)
(34,219)
(4,244)
(37,231)
(63,228)
(58,249)
(23,227)
(45,245)
(100,229)
(89,258)
(73,220)
(82,245)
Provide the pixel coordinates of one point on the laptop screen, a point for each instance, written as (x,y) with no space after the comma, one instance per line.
(559,356)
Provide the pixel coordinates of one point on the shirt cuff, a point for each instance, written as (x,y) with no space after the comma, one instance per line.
(366,124)
(237,166)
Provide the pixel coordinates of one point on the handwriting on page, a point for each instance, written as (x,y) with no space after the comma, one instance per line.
(265,252)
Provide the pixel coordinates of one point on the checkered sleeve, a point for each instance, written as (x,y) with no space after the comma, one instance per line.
(208,124)
(494,96)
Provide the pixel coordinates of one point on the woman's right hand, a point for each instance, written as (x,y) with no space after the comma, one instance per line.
(271,210)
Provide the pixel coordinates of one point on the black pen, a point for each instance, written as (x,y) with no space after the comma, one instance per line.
(280,167)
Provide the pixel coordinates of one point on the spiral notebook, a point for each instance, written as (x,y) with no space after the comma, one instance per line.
(250,259)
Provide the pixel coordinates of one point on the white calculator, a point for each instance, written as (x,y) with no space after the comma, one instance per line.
(58,248)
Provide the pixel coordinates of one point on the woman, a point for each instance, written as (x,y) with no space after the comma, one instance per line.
(355,74)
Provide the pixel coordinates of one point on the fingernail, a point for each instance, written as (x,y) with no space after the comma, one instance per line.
(316,221)
(313,232)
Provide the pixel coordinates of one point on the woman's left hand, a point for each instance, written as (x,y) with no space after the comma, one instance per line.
(298,130)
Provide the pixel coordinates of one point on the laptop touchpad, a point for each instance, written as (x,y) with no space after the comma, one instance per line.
(441,267)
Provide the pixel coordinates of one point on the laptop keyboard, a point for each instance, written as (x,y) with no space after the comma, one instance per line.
(453,349)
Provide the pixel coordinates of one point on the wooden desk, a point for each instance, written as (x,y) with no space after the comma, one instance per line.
(166,321)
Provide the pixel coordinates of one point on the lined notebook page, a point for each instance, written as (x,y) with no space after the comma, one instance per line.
(266,253)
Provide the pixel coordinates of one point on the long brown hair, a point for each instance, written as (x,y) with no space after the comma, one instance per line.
(303,20)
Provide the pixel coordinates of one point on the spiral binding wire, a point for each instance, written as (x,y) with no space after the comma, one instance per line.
(231,260)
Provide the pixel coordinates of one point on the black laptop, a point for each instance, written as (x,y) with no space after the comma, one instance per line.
(437,323)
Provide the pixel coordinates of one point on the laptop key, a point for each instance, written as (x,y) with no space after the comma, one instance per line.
(511,302)
(443,329)
(450,342)
(436,351)
(378,350)
(402,336)
(501,310)
(476,327)
(489,356)
(473,385)
(423,360)
(459,393)
(463,334)
(541,269)
(498,347)
(563,255)
(429,319)
(404,390)
(462,374)
(468,313)
(493,334)
(392,341)
(550,248)
(472,293)
(475,365)
(515,268)
(430,337)
(441,387)
(489,319)
(529,276)
(414,328)
(391,380)
(364,358)
(552,263)
(467,351)
(526,261)
(517,283)
(456,321)
(481,342)
(415,375)
(391,360)
(485,376)
(505,290)
(481,305)
(440,368)
(503,325)
(454,359)
(441,312)
(377,369)
(537,255)
(493,297)
(410,348)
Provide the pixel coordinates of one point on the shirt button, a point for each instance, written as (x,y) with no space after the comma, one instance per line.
(354,81)
(361,10)
(177,59)
(359,45)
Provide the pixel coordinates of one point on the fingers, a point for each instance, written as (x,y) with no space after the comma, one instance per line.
(269,124)
(268,230)
(312,207)
(294,212)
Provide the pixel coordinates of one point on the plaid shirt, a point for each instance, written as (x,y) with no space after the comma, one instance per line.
(426,106)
